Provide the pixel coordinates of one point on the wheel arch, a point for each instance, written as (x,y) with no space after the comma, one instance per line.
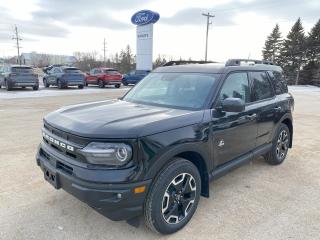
(189,152)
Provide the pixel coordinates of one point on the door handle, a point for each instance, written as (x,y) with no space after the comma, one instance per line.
(251,116)
(277,108)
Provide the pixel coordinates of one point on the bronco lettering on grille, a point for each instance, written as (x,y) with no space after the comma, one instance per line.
(57,142)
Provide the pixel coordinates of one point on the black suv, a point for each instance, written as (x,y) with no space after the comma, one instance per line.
(154,151)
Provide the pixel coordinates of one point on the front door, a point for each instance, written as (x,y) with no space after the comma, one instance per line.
(234,134)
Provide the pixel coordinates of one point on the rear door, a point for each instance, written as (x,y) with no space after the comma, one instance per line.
(265,103)
(234,134)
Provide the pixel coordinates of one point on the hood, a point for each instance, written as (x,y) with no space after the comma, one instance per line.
(119,119)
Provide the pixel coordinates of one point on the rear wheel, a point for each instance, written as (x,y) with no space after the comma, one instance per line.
(100,84)
(280,146)
(125,83)
(173,198)
(117,85)
(35,88)
(80,86)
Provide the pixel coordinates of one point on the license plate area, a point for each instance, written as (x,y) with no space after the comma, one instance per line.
(52,177)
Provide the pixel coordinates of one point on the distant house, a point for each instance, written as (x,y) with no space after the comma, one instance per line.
(43,59)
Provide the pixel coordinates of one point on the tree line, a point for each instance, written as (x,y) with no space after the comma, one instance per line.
(298,54)
(124,61)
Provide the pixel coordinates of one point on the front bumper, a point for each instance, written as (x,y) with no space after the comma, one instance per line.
(117,201)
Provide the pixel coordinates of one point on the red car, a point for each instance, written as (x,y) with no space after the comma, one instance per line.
(104,76)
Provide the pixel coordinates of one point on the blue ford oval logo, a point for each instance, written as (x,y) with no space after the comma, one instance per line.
(144,17)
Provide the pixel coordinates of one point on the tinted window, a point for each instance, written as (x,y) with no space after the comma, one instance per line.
(181,90)
(261,85)
(111,72)
(236,86)
(21,69)
(278,81)
(72,70)
(97,71)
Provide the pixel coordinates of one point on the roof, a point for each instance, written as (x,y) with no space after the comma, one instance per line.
(216,68)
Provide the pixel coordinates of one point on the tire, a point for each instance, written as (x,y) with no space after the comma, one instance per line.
(86,84)
(45,83)
(125,83)
(80,86)
(117,86)
(162,197)
(59,83)
(100,84)
(23,87)
(35,88)
(8,88)
(280,145)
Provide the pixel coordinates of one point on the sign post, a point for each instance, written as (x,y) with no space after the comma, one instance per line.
(144,20)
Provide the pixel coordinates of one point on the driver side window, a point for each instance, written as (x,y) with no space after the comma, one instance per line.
(236,86)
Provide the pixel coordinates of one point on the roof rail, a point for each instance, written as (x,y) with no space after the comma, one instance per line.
(183,62)
(237,62)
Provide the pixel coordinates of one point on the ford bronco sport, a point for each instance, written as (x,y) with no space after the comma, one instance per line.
(155,150)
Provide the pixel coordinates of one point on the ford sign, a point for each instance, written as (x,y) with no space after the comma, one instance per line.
(144,17)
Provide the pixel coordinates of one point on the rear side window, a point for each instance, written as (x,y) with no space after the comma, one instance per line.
(21,70)
(236,86)
(261,86)
(111,72)
(278,81)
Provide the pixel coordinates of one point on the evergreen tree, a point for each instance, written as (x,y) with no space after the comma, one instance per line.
(293,54)
(313,44)
(272,46)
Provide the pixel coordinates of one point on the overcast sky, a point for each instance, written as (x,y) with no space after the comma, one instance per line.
(238,30)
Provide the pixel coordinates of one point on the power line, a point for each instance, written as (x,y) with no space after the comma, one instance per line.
(17,38)
(207,33)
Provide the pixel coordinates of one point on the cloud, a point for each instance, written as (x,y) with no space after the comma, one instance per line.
(34,26)
(94,13)
(288,10)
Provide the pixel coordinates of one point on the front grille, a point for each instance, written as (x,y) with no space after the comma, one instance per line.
(61,141)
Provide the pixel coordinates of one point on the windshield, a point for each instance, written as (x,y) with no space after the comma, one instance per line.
(21,69)
(182,90)
(71,70)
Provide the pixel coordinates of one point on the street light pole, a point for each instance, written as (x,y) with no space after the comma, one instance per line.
(208,15)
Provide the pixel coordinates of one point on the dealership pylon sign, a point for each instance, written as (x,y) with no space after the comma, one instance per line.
(144,20)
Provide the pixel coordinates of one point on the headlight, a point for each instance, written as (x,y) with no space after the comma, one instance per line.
(115,154)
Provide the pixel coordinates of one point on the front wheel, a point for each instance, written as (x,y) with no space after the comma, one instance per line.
(173,198)
(280,146)
(35,88)
(80,86)
(100,84)
(45,83)
(60,86)
(8,87)
(117,85)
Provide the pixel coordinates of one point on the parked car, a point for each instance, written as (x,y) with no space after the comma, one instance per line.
(18,76)
(180,127)
(104,76)
(134,77)
(63,77)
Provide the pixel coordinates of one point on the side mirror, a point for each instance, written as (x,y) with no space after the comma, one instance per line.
(233,105)
(88,73)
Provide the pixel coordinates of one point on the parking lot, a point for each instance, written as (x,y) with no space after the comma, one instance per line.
(256,201)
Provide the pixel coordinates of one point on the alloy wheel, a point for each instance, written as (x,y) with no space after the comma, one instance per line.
(179,198)
(282,144)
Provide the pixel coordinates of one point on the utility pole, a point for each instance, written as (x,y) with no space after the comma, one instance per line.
(209,16)
(17,38)
(104,52)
